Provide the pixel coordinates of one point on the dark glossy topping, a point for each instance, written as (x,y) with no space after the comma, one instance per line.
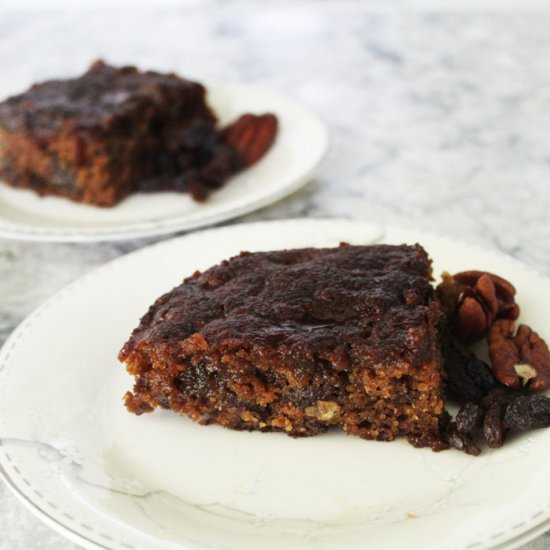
(372,299)
(101,97)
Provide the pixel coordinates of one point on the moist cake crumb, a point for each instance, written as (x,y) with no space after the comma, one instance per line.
(298,341)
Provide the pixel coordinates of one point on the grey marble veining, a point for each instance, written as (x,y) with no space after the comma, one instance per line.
(439,121)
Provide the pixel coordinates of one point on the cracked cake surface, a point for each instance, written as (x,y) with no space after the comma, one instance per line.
(298,341)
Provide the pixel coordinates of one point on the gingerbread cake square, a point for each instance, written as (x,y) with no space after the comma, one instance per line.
(298,341)
(97,138)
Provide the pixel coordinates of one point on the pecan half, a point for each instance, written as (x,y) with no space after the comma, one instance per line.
(476,299)
(251,136)
(500,301)
(521,359)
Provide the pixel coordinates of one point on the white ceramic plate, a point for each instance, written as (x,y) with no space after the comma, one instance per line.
(301,143)
(106,478)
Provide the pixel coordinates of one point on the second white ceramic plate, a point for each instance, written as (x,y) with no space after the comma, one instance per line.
(301,143)
(109,479)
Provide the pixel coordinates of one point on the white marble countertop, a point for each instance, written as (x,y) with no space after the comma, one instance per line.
(439,120)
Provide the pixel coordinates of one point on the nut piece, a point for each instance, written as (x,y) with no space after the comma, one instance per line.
(251,136)
(323,410)
(506,307)
(472,319)
(247,416)
(519,360)
(476,299)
